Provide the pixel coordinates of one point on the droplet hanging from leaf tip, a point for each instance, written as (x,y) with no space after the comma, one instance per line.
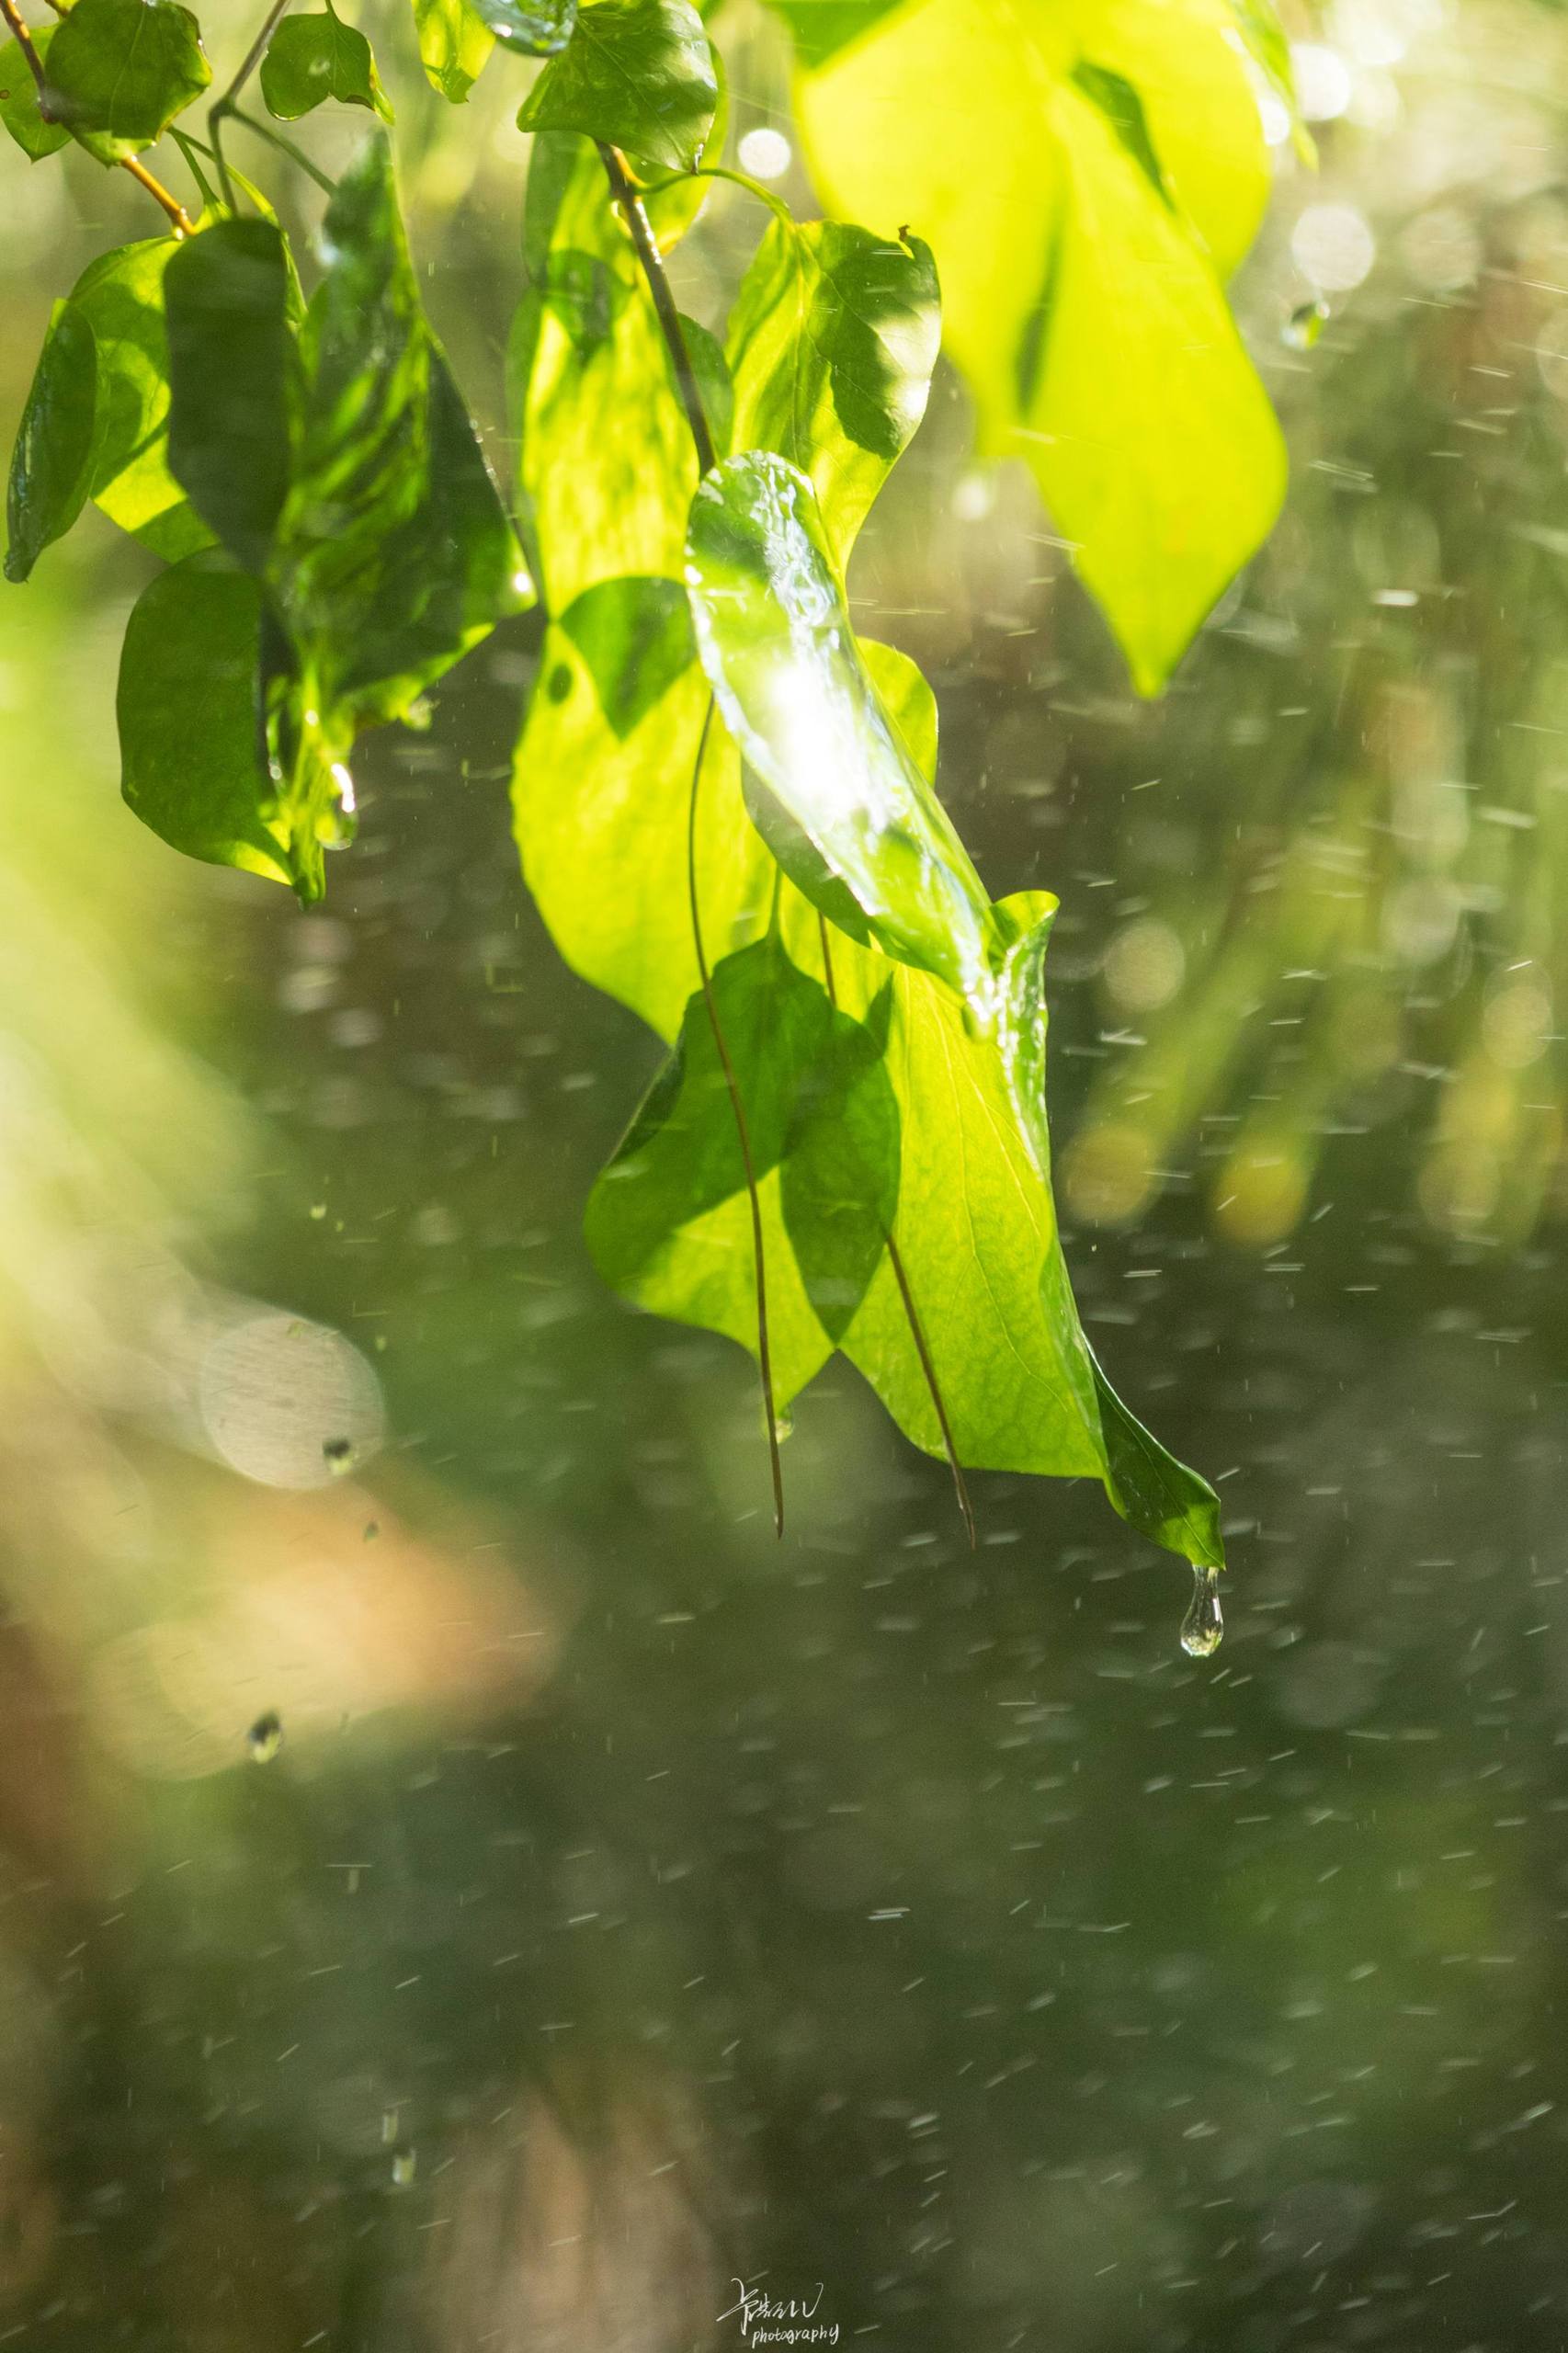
(1203,1628)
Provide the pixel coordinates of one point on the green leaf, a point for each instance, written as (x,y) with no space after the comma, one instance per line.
(831,342)
(119,71)
(395,553)
(18,100)
(120,295)
(310,59)
(774,636)
(535,27)
(232,365)
(455,43)
(669,1221)
(189,725)
(606,463)
(820,29)
(51,462)
(1082,302)
(636,73)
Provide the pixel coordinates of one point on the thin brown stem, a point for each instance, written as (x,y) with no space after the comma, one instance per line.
(226,104)
(652,261)
(24,40)
(911,1316)
(179,219)
(763,1353)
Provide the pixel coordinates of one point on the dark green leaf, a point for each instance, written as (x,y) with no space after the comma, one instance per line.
(637,74)
(820,29)
(122,297)
(536,28)
(774,636)
(831,342)
(232,361)
(51,462)
(18,100)
(455,43)
(310,59)
(119,71)
(395,553)
(189,725)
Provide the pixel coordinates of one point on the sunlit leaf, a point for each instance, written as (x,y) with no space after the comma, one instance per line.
(455,43)
(860,821)
(1140,417)
(120,295)
(822,28)
(189,728)
(831,342)
(51,462)
(533,28)
(310,59)
(637,74)
(119,71)
(232,365)
(18,100)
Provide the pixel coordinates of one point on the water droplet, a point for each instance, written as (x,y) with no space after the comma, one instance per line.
(1203,1628)
(403,2166)
(265,1737)
(338,1453)
(1305,326)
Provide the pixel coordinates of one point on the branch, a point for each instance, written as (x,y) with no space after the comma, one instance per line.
(179,219)
(226,104)
(628,197)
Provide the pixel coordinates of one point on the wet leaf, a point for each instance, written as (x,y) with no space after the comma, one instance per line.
(51,461)
(232,365)
(862,832)
(18,100)
(189,731)
(455,43)
(120,72)
(310,59)
(534,28)
(831,344)
(637,74)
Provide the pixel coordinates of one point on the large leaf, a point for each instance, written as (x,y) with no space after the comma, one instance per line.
(533,28)
(189,729)
(831,344)
(822,28)
(119,71)
(18,100)
(455,43)
(1081,295)
(120,295)
(607,462)
(232,365)
(848,812)
(636,73)
(310,59)
(51,462)
(394,552)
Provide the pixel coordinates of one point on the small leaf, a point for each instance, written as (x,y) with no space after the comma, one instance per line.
(119,71)
(534,28)
(120,295)
(774,636)
(310,59)
(455,43)
(232,362)
(18,100)
(831,342)
(636,73)
(189,726)
(51,462)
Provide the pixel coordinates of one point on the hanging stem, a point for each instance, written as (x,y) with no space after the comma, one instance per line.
(178,218)
(627,196)
(225,105)
(916,1330)
(285,146)
(763,1353)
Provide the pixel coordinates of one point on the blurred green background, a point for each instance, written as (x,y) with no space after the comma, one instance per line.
(634,1902)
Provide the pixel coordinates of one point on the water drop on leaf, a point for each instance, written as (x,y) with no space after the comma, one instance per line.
(1203,1628)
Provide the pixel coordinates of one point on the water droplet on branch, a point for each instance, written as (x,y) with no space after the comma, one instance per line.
(1203,1628)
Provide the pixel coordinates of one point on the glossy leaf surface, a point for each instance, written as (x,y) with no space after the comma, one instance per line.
(51,462)
(231,365)
(18,100)
(120,72)
(122,297)
(533,28)
(637,73)
(455,43)
(313,58)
